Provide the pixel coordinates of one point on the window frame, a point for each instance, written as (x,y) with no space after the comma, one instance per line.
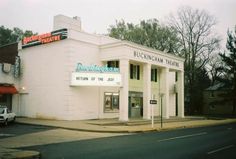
(114,64)
(134,71)
(154,75)
(112,108)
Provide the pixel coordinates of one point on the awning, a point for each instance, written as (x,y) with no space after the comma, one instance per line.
(8,90)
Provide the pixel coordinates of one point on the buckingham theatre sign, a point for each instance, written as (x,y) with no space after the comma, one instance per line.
(94,75)
(156,59)
(53,36)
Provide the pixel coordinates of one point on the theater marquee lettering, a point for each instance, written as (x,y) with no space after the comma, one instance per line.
(95,79)
(95,68)
(141,55)
(94,75)
(44,38)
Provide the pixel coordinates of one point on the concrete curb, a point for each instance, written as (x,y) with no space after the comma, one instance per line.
(19,154)
(193,126)
(76,129)
(132,131)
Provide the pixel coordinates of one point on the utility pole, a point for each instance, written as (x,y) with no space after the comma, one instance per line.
(161,110)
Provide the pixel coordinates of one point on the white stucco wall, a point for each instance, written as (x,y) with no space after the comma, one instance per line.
(7,77)
(83,101)
(45,77)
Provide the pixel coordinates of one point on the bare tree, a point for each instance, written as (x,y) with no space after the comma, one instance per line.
(198,42)
(215,68)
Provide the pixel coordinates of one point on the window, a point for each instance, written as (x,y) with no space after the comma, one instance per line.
(154,74)
(134,71)
(111,102)
(212,107)
(176,76)
(113,64)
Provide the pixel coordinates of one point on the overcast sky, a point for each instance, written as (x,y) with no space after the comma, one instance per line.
(97,15)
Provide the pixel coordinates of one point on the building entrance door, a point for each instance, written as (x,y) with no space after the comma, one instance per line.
(135,104)
(6,100)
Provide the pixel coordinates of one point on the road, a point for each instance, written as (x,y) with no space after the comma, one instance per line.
(14,129)
(215,142)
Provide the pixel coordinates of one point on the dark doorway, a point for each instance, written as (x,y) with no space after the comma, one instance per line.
(6,100)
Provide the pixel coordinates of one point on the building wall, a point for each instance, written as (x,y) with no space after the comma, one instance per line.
(134,84)
(45,78)
(83,101)
(7,77)
(87,102)
(52,71)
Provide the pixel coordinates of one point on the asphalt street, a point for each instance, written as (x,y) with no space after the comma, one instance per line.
(14,129)
(215,142)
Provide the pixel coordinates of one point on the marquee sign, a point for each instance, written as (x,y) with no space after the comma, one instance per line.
(95,79)
(94,75)
(96,68)
(44,38)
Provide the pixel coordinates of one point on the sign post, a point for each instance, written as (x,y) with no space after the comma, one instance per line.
(152,116)
(161,109)
(153,102)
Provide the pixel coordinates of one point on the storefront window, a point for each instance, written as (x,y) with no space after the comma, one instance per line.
(134,71)
(111,102)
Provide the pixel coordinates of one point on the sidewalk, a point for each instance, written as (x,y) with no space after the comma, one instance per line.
(6,153)
(132,126)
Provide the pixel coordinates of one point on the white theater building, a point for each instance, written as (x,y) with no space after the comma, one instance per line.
(69,74)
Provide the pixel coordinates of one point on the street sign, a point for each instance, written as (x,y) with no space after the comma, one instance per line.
(153,101)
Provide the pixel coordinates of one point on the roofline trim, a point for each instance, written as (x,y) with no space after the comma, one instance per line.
(140,47)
